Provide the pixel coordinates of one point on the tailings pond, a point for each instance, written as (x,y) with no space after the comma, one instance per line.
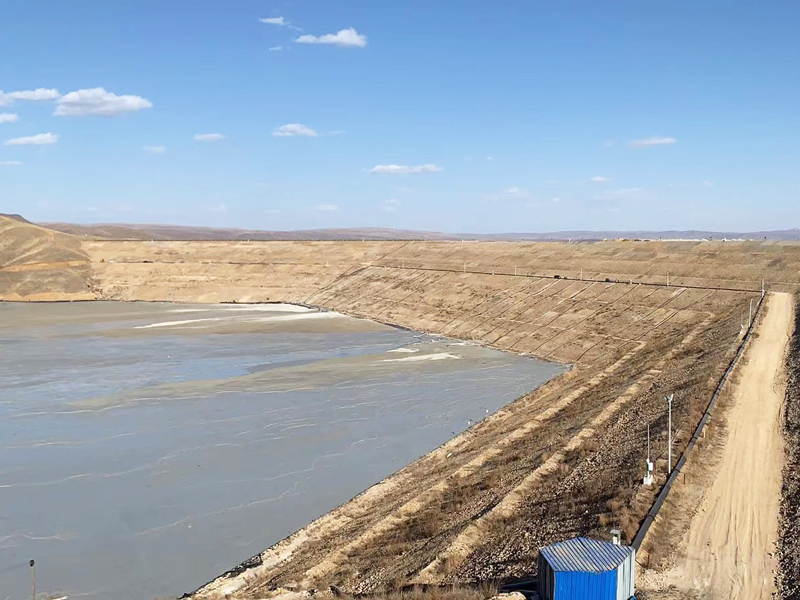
(147,448)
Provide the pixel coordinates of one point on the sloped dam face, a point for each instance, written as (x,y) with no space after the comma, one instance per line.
(147,448)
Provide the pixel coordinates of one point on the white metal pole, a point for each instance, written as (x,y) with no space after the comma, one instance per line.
(750,318)
(669,436)
(33,578)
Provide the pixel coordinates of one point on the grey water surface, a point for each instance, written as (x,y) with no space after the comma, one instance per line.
(147,448)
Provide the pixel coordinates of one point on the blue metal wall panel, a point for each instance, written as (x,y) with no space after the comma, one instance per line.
(580,585)
(583,569)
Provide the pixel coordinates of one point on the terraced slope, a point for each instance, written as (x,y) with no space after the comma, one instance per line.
(555,319)
(293,271)
(40,264)
(639,320)
(225,271)
(564,460)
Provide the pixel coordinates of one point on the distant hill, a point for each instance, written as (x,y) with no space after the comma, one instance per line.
(115,231)
(16,218)
(41,264)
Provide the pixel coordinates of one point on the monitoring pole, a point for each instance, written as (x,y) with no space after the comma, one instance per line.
(669,434)
(33,578)
(750,318)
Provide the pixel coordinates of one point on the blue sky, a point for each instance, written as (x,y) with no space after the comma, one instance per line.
(454,116)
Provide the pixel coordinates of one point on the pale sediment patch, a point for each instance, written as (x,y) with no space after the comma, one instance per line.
(422,357)
(288,308)
(276,318)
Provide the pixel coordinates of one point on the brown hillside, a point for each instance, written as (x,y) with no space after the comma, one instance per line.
(40,264)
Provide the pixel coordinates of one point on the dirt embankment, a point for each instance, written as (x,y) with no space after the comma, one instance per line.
(727,528)
(789,546)
(40,264)
(564,460)
(242,271)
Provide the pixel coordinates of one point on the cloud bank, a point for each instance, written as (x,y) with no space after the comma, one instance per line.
(208,137)
(99,102)
(653,141)
(345,38)
(33,140)
(294,129)
(29,95)
(404,169)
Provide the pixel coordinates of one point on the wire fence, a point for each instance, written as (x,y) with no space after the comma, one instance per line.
(658,280)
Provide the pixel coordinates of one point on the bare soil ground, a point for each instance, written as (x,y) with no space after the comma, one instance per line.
(563,460)
(729,550)
(789,547)
(40,264)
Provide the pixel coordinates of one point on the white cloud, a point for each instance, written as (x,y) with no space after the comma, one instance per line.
(653,141)
(155,149)
(326,207)
(707,184)
(9,117)
(33,140)
(555,200)
(208,137)
(337,132)
(633,193)
(97,101)
(405,169)
(345,37)
(609,143)
(9,163)
(30,95)
(512,193)
(293,129)
(220,208)
(490,158)
(600,179)
(280,22)
(276,48)
(391,205)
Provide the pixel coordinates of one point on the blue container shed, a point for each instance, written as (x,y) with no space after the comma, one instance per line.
(583,569)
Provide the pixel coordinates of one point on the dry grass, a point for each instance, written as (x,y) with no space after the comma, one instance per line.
(419,592)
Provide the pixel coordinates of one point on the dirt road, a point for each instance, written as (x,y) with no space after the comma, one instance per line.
(730,548)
